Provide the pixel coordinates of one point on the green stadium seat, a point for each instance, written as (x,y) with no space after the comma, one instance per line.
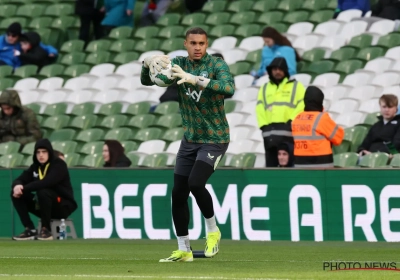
(216,19)
(320,16)
(33,106)
(395,162)
(113,121)
(129,146)
(65,147)
(253,56)
(29,149)
(146,134)
(5,70)
(139,108)
(389,41)
(169,121)
(168,32)
(165,108)
(242,18)
(344,147)
(342,54)
(320,67)
(26,71)
(146,32)
(360,41)
(229,105)
(281,27)
(55,122)
(345,160)
(122,32)
(11,160)
(147,45)
(193,19)
(72,159)
(370,53)
(214,7)
(75,70)
(82,109)
(263,6)
(370,119)
(125,57)
(221,31)
(313,5)
(332,4)
(348,67)
(172,44)
(6,83)
(123,45)
(142,121)
(239,68)
(313,55)
(30,10)
(99,57)
(110,109)
(39,118)
(51,70)
(55,109)
(243,160)
(72,46)
(40,22)
(134,158)
(5,23)
(355,135)
(62,135)
(270,18)
(83,122)
(59,9)
(73,58)
(9,148)
(155,161)
(294,17)
(95,160)
(239,6)
(374,160)
(50,36)
(169,19)
(173,134)
(91,148)
(7,10)
(63,22)
(90,135)
(247,30)
(120,134)
(27,161)
(98,45)
(288,5)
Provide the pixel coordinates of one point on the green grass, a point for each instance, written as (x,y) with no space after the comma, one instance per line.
(138,259)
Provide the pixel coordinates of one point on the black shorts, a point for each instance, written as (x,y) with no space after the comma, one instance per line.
(190,152)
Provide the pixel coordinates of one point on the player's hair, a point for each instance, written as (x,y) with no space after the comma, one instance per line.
(279,39)
(390,100)
(196,31)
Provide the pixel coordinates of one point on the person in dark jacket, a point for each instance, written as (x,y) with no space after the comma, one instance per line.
(285,155)
(44,189)
(90,12)
(32,52)
(384,136)
(113,154)
(194,6)
(389,9)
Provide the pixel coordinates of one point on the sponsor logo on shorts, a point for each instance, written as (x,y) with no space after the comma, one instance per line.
(210,156)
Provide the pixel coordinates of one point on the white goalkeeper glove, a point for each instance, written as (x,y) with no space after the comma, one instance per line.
(156,62)
(188,78)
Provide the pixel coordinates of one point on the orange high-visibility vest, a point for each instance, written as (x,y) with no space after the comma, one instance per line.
(313,133)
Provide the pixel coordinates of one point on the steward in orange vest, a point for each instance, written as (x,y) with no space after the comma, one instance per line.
(313,132)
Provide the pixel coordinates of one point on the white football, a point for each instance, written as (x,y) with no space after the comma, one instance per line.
(164,77)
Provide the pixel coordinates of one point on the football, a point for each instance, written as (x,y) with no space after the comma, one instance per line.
(164,77)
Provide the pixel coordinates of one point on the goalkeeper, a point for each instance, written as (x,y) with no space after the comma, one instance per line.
(203,82)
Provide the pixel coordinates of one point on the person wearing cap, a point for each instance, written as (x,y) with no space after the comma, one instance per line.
(17,123)
(279,101)
(44,189)
(285,155)
(314,132)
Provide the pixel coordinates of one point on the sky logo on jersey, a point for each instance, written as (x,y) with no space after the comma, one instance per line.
(196,96)
(204,74)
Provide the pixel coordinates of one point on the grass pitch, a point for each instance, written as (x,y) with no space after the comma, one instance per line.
(138,259)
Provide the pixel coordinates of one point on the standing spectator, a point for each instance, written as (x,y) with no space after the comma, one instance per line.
(118,13)
(113,154)
(314,132)
(90,12)
(344,5)
(277,45)
(17,123)
(153,10)
(285,155)
(45,190)
(279,101)
(389,9)
(194,6)
(384,136)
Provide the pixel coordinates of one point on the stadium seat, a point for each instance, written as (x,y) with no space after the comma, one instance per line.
(224,43)
(137,108)
(243,160)
(55,122)
(93,160)
(264,6)
(214,6)
(355,135)
(389,41)
(395,162)
(65,147)
(62,135)
(393,53)
(59,9)
(125,57)
(345,160)
(343,106)
(123,45)
(296,16)
(7,10)
(141,121)
(370,53)
(349,119)
(229,105)
(305,43)
(90,135)
(377,66)
(239,67)
(221,31)
(328,28)
(72,159)
(155,161)
(216,19)
(9,148)
(370,106)
(320,67)
(348,67)
(169,19)
(169,107)
(134,159)
(98,57)
(91,148)
(147,134)
(269,18)
(171,44)
(83,122)
(320,16)
(300,29)
(193,19)
(63,22)
(11,160)
(313,55)
(129,146)
(120,134)
(239,6)
(173,134)
(353,28)
(313,5)
(73,58)
(370,119)
(361,93)
(169,121)
(28,149)
(40,22)
(326,80)
(168,32)
(374,160)
(288,5)
(242,17)
(121,32)
(253,43)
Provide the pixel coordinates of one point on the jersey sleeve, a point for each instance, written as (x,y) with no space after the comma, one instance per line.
(224,83)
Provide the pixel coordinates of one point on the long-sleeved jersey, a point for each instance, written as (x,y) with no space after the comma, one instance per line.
(202,109)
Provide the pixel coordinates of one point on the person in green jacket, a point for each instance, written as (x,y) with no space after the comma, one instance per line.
(118,13)
(203,82)
(17,123)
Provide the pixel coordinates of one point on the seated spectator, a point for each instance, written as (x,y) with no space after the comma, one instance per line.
(277,45)
(45,190)
(384,136)
(285,155)
(58,154)
(118,13)
(17,123)
(32,52)
(344,5)
(113,154)
(389,9)
(153,10)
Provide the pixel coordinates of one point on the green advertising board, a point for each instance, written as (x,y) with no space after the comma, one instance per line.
(282,204)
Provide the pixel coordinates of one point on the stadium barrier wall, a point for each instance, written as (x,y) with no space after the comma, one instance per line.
(315,205)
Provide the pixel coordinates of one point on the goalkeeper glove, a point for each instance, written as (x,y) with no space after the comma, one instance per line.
(188,78)
(156,62)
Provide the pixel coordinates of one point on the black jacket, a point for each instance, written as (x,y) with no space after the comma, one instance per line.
(36,55)
(381,133)
(389,9)
(85,7)
(122,161)
(56,178)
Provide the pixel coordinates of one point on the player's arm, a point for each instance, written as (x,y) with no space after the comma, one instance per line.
(150,64)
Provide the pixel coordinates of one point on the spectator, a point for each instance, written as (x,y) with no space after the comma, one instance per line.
(344,5)
(277,45)
(17,123)
(194,6)
(90,12)
(113,154)
(58,154)
(389,9)
(314,132)
(285,155)
(153,10)
(32,52)
(48,177)
(279,101)
(118,13)
(384,136)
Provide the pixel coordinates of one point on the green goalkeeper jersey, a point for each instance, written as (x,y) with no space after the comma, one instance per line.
(202,109)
